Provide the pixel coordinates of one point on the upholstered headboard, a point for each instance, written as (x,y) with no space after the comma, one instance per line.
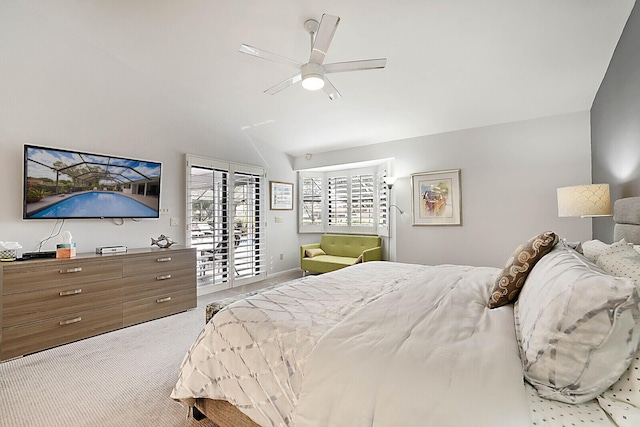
(626,214)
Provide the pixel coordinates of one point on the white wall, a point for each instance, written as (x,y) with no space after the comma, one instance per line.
(509,176)
(61,91)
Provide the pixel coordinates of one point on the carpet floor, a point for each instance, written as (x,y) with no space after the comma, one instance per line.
(121,378)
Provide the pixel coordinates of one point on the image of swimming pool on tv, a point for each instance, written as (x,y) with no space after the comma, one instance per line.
(69,184)
(96,204)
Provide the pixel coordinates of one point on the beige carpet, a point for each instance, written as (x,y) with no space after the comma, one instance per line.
(122,378)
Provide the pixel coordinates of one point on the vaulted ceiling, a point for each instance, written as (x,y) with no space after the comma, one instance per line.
(451,64)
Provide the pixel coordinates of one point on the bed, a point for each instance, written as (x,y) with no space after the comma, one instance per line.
(388,344)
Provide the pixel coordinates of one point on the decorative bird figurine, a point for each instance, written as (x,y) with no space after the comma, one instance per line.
(162,238)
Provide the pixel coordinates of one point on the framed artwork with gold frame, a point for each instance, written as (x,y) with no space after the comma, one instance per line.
(436,198)
(281,196)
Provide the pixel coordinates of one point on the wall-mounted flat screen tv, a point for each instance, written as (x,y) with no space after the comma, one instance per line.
(64,184)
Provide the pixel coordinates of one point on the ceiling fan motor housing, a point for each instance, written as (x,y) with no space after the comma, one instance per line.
(312,76)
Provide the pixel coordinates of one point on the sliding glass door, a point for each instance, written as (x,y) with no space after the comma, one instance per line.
(224,208)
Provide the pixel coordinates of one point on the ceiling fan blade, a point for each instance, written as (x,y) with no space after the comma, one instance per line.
(284,84)
(330,89)
(259,53)
(327,29)
(366,64)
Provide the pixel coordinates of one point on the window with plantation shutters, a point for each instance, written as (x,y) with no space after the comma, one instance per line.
(249,240)
(311,197)
(224,207)
(383,203)
(362,200)
(347,201)
(337,201)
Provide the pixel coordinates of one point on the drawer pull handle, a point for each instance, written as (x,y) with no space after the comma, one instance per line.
(167,259)
(161,300)
(165,277)
(70,321)
(71,270)
(73,292)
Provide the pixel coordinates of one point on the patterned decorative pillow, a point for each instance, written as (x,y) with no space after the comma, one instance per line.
(576,327)
(621,260)
(314,252)
(591,249)
(514,273)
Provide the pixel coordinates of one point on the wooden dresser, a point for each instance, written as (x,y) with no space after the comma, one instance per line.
(48,302)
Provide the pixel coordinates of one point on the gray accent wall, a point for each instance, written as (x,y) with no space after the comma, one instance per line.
(615,124)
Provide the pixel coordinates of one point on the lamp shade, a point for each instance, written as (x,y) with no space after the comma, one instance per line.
(589,200)
(390,180)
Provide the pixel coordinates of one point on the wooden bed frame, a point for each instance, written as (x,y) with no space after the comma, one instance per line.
(222,413)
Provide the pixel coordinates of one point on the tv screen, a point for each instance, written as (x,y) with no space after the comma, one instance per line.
(63,184)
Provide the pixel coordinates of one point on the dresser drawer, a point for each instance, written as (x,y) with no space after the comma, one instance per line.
(59,301)
(153,284)
(141,310)
(56,273)
(27,338)
(158,262)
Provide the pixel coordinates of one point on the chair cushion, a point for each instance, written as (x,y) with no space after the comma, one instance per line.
(326,263)
(348,245)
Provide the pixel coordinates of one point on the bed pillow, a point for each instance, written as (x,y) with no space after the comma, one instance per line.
(513,275)
(591,249)
(314,252)
(576,326)
(620,259)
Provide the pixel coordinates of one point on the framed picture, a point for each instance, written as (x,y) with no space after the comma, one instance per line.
(281,196)
(436,198)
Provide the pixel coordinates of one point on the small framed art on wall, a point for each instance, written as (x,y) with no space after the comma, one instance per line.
(281,196)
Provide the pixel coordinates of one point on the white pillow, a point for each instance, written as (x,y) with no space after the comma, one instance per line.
(591,249)
(621,260)
(576,326)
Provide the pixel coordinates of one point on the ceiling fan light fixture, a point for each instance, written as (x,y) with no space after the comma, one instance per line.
(313,82)
(312,76)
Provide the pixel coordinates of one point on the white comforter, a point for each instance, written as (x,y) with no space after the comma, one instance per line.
(376,344)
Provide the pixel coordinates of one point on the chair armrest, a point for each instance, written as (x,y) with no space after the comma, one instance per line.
(309,246)
(373,254)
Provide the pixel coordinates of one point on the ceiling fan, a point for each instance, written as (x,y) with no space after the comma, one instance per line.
(313,73)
